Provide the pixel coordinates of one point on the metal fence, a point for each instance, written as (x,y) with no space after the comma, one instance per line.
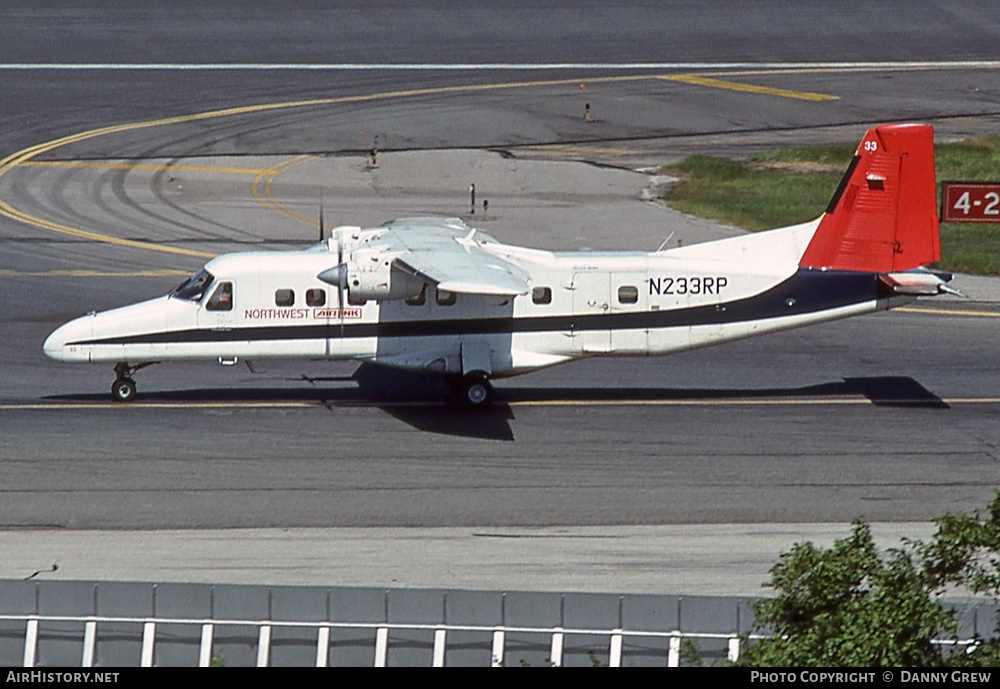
(121,624)
(604,647)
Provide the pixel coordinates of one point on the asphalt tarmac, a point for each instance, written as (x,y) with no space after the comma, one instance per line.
(683,459)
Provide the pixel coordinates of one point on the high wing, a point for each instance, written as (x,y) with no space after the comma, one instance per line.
(443,252)
(461,266)
(446,253)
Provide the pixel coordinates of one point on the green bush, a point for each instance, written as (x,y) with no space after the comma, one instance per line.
(850,606)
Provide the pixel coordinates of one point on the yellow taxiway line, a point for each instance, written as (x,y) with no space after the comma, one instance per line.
(94,273)
(361,404)
(267,198)
(747,88)
(149,167)
(947,312)
(159,405)
(804,402)
(26,156)
(567,149)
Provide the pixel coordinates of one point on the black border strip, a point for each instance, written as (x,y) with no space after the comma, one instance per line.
(844,181)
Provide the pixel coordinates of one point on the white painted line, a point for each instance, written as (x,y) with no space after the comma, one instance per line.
(733,654)
(30,643)
(674,654)
(148,639)
(615,659)
(499,637)
(264,645)
(89,637)
(323,647)
(440,638)
(491,66)
(205,652)
(556,656)
(381,645)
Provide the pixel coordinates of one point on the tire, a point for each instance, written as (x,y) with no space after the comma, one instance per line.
(123,390)
(477,393)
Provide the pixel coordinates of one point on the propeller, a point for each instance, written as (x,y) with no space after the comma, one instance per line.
(341,283)
(337,275)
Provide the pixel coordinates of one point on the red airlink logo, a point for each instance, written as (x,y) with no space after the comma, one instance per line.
(337,313)
(970,202)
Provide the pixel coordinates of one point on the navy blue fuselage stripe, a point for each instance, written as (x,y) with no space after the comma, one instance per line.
(807,291)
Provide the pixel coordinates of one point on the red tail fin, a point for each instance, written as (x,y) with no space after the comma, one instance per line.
(883,217)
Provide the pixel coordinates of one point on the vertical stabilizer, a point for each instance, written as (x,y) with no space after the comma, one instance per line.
(883,217)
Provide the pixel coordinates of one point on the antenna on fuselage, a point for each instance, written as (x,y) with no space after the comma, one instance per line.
(665,241)
(322,231)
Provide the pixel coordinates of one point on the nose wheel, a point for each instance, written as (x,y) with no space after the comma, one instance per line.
(123,389)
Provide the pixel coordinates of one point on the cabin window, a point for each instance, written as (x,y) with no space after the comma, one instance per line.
(541,295)
(284,297)
(419,299)
(315,297)
(627,294)
(222,298)
(446,298)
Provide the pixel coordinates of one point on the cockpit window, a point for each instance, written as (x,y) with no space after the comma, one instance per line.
(193,289)
(222,298)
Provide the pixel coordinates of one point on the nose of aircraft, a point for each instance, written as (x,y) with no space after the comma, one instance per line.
(57,345)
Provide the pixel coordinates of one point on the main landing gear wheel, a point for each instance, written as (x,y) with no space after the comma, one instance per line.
(476,391)
(123,390)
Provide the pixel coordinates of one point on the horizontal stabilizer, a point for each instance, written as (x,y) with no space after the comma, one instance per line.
(921,283)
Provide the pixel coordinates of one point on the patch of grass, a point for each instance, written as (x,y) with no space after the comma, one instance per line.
(970,248)
(973,159)
(748,196)
(794,185)
(837,156)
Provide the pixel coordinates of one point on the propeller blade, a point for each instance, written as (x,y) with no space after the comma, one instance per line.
(342,282)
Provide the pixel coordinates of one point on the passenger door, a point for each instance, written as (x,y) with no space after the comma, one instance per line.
(591,291)
(629,301)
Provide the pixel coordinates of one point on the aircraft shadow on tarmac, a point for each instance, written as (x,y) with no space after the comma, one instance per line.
(422,401)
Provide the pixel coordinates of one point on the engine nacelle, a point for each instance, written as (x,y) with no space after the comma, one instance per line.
(368,274)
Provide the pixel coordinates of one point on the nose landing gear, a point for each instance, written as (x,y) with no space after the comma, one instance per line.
(123,389)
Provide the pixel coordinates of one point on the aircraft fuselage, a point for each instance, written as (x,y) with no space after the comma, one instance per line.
(435,295)
(580,304)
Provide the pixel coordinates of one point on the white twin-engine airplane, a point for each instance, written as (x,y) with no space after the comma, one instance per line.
(434,295)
